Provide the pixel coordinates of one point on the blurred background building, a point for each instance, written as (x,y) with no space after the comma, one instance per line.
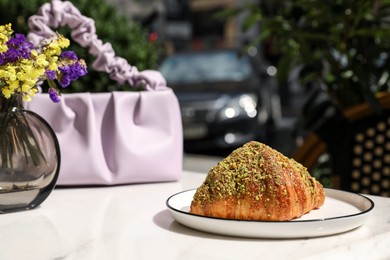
(187,24)
(192,25)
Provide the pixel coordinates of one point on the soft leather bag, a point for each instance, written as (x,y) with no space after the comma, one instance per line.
(110,138)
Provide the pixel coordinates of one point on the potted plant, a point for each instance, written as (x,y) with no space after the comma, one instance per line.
(29,150)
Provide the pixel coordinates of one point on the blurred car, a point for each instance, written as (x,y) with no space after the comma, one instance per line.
(225,97)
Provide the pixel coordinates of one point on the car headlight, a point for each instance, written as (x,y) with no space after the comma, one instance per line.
(243,105)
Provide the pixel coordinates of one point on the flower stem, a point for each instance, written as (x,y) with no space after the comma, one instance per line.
(16,135)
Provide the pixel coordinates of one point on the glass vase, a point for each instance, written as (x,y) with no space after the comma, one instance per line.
(29,157)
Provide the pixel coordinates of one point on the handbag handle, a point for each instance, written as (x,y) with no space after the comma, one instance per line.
(59,13)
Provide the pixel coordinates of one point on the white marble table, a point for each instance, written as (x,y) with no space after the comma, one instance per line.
(132,222)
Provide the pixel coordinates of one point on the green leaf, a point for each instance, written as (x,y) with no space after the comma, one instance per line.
(284,68)
(227,13)
(250,21)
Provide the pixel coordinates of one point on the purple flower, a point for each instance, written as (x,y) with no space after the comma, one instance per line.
(18,48)
(70,55)
(65,78)
(54,95)
(19,42)
(50,74)
(71,72)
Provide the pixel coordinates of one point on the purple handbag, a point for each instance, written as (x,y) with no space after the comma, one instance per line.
(110,138)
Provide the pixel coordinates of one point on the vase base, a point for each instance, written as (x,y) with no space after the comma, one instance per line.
(19,200)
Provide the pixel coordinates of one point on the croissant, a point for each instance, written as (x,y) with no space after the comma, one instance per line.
(255,182)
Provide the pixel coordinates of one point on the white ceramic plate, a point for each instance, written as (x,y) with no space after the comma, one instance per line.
(341,212)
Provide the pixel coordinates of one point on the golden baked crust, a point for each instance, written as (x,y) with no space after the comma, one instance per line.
(255,182)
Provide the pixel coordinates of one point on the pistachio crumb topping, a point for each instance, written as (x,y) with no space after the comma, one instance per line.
(253,171)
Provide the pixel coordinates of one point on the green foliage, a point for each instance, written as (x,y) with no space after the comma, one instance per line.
(342,46)
(128,39)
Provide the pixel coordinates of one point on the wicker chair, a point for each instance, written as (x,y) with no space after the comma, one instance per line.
(359,149)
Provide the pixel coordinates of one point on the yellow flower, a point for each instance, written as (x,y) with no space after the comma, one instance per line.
(53,63)
(27,95)
(3,73)
(3,47)
(5,33)
(13,85)
(6,29)
(41,60)
(6,92)
(53,49)
(9,73)
(20,76)
(62,41)
(26,86)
